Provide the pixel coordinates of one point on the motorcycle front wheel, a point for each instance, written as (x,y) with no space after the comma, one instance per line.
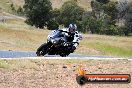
(42,50)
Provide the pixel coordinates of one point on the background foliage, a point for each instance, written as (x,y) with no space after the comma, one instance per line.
(103,19)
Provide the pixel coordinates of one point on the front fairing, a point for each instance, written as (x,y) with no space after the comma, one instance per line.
(55,36)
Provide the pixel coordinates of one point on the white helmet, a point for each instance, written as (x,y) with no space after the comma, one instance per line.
(72,28)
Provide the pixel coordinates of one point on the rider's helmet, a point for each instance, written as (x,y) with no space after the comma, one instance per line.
(72,28)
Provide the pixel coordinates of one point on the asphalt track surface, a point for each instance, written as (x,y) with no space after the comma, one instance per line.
(18,54)
(32,55)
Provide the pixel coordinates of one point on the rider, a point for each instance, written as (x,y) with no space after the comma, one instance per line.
(71,34)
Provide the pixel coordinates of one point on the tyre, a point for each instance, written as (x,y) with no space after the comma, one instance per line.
(81,80)
(42,50)
(64,54)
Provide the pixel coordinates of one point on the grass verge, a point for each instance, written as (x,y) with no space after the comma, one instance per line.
(16,35)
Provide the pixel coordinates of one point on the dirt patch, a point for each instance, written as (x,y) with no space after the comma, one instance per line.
(61,73)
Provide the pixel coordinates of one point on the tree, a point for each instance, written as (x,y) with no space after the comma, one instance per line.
(111,30)
(70,13)
(52,24)
(111,11)
(38,12)
(92,25)
(56,15)
(13,8)
(20,11)
(97,9)
(103,1)
(128,18)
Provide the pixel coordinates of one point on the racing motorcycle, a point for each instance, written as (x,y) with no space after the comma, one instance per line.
(56,45)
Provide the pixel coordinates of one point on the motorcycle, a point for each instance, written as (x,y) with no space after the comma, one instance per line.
(56,45)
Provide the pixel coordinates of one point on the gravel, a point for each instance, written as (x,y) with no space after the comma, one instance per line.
(62,74)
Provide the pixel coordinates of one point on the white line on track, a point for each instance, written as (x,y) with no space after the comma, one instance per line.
(68,58)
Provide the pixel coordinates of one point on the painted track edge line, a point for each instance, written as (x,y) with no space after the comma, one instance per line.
(61,58)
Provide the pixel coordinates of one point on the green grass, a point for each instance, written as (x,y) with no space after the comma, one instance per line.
(16,35)
(107,45)
(4,64)
(107,49)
